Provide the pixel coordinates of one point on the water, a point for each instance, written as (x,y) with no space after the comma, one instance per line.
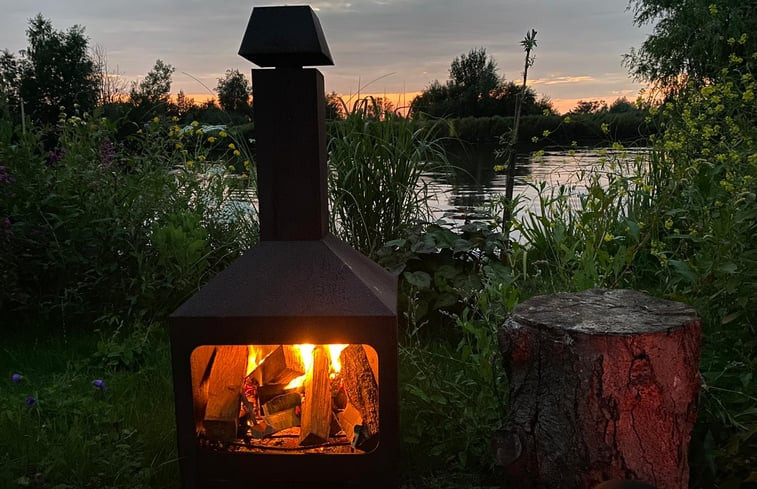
(468,192)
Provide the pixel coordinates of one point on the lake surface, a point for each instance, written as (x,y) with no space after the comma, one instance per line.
(468,192)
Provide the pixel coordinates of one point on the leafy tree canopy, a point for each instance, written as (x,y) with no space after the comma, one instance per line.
(234,92)
(54,71)
(692,40)
(155,89)
(474,89)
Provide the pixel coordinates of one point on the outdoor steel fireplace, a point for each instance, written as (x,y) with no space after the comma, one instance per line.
(285,364)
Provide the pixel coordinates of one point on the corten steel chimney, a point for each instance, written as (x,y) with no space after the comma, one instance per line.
(299,285)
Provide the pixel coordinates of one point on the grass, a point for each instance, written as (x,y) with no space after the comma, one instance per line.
(79,436)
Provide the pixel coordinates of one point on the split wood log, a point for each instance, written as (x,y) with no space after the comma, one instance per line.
(224,391)
(200,362)
(362,392)
(349,418)
(280,367)
(316,410)
(603,385)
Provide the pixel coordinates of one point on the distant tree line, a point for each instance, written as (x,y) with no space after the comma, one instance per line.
(59,72)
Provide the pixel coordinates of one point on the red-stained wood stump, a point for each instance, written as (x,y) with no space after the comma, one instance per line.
(604,385)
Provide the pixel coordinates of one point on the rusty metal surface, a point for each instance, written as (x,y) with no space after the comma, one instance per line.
(285,36)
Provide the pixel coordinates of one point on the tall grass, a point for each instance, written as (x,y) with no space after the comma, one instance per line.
(375,177)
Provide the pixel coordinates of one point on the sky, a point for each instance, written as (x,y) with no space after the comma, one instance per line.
(392,47)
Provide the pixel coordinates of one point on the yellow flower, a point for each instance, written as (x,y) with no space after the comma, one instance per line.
(231,168)
(195,123)
(201,158)
(198,132)
(247,165)
(139,132)
(231,146)
(609,237)
(190,163)
(236,152)
(156,119)
(178,146)
(175,119)
(223,134)
(211,139)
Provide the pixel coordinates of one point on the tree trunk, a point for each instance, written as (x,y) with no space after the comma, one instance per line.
(603,385)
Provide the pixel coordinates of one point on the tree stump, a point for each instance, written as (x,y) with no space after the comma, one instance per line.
(604,385)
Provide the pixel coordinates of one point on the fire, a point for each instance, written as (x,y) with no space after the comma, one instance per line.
(258,353)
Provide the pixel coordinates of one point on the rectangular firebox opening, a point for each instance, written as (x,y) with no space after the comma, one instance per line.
(286,398)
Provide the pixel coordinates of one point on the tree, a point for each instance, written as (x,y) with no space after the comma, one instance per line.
(474,73)
(185,104)
(589,107)
(474,89)
(621,106)
(54,71)
(234,92)
(692,40)
(334,107)
(155,89)
(111,83)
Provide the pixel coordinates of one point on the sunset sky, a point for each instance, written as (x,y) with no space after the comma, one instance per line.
(379,46)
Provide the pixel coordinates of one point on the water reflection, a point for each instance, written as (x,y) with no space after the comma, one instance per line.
(470,190)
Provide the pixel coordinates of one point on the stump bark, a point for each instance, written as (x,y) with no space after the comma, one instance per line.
(604,385)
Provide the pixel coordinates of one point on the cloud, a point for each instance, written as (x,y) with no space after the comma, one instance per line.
(561,80)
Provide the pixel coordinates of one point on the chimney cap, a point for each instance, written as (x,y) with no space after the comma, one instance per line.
(286,36)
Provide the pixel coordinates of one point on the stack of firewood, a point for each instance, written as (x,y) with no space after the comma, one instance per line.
(328,409)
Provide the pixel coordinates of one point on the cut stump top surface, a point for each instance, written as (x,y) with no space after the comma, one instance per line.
(604,312)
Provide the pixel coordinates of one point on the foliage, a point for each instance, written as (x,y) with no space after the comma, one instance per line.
(375,180)
(474,89)
(97,229)
(583,129)
(589,107)
(334,107)
(691,40)
(234,92)
(54,71)
(155,89)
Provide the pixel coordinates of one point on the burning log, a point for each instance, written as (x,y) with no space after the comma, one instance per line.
(351,422)
(281,403)
(200,363)
(316,411)
(224,391)
(362,391)
(280,367)
(270,391)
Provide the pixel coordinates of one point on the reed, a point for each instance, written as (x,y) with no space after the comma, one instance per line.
(376,167)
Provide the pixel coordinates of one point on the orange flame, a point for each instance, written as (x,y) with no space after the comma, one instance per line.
(258,353)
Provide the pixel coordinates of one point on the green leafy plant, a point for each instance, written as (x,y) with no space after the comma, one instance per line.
(375,177)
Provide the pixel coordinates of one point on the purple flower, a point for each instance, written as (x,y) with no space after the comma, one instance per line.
(107,152)
(100,384)
(16,378)
(7,222)
(30,401)
(55,156)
